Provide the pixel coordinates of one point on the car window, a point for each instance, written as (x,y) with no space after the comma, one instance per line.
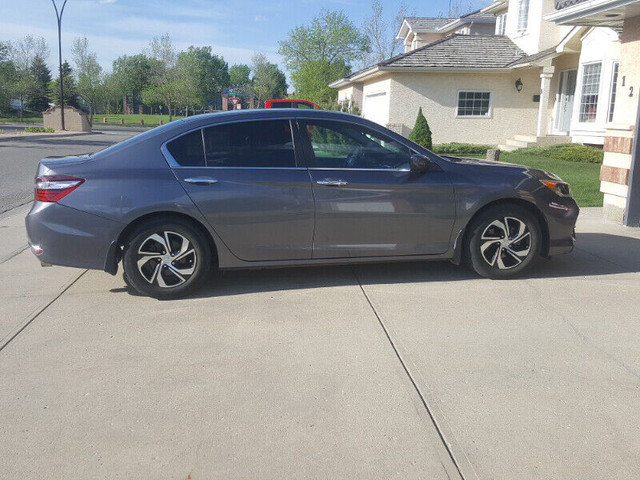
(282,105)
(305,105)
(342,145)
(187,150)
(250,144)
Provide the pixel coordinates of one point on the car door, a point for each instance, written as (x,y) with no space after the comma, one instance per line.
(368,202)
(245,180)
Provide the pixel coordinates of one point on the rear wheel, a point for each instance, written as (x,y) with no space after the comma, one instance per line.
(504,242)
(166,259)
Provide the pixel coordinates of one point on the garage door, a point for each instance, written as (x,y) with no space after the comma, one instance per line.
(376,108)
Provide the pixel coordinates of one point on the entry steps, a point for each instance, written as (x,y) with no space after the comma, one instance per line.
(524,141)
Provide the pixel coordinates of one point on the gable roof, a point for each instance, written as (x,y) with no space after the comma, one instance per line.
(426,24)
(460,51)
(457,52)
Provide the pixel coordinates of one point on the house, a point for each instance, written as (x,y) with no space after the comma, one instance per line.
(620,173)
(504,75)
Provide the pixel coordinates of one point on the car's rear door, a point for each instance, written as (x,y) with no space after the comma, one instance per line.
(245,179)
(368,202)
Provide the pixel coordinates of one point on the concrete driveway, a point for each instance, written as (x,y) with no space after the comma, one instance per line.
(415,370)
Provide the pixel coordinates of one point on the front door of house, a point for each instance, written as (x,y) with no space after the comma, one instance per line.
(564,100)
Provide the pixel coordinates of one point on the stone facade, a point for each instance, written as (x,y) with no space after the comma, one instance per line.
(74,120)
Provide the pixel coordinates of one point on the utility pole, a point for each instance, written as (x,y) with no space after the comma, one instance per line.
(59,17)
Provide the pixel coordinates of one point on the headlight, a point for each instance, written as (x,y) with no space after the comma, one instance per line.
(561,188)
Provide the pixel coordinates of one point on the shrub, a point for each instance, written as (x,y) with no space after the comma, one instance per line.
(569,152)
(455,148)
(421,133)
(39,130)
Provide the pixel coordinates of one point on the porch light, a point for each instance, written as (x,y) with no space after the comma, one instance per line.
(519,85)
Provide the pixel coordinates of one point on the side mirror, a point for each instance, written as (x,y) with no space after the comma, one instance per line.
(419,163)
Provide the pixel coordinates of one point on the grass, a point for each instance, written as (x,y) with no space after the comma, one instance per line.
(27,118)
(132,119)
(584,178)
(38,130)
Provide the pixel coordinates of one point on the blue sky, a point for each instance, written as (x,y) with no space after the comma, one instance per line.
(235,30)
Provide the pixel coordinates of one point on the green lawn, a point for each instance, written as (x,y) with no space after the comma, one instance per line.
(584,178)
(133,119)
(28,118)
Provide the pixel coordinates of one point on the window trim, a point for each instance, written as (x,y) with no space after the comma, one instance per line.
(525,19)
(173,163)
(489,111)
(613,91)
(599,95)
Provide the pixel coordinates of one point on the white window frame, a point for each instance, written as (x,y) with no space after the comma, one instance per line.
(522,19)
(489,111)
(501,23)
(599,93)
(613,91)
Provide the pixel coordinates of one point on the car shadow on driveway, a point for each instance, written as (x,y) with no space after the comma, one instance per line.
(596,254)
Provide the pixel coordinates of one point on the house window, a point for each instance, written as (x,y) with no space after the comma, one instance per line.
(474,104)
(614,83)
(523,15)
(501,23)
(590,89)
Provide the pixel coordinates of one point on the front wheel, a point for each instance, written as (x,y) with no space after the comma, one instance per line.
(166,259)
(504,242)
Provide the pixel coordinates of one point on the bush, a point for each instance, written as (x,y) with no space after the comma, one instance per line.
(421,133)
(38,130)
(455,148)
(569,152)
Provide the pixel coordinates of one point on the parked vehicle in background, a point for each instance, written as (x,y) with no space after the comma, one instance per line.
(291,103)
(281,187)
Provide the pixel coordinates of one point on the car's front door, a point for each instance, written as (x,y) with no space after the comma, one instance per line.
(245,180)
(368,202)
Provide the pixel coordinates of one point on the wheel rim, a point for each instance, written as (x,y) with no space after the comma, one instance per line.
(505,243)
(166,259)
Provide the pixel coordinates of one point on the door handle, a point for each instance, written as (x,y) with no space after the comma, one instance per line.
(201,180)
(332,183)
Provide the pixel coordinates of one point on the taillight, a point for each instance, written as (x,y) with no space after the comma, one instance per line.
(52,188)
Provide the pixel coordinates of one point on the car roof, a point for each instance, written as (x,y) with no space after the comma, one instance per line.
(262,113)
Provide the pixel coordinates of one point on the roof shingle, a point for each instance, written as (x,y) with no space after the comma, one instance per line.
(460,51)
(427,24)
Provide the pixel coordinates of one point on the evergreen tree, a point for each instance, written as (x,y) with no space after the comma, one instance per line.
(38,97)
(421,133)
(70,89)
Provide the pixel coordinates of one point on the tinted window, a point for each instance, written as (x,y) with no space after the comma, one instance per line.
(342,145)
(281,105)
(187,149)
(250,144)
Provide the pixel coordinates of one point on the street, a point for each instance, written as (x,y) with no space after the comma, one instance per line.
(19,158)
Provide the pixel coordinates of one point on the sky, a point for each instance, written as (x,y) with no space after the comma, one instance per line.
(234,30)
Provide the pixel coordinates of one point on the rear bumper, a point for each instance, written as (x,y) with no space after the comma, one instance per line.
(60,235)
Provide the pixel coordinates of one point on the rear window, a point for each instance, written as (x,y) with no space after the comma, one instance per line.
(187,150)
(265,143)
(281,105)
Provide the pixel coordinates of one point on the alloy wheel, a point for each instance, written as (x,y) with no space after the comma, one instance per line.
(505,243)
(166,259)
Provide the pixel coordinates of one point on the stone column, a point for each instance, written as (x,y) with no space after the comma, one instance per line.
(619,159)
(543,108)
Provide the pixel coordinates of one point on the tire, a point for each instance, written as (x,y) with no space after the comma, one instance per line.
(178,271)
(499,252)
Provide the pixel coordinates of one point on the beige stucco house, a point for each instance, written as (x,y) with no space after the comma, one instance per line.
(547,73)
(528,80)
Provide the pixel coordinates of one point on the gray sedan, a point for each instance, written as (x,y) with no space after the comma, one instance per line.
(267,188)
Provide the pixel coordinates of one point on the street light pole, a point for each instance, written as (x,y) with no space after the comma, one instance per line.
(59,17)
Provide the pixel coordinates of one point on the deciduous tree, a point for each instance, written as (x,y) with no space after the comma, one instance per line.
(268,80)
(239,75)
(324,49)
(89,73)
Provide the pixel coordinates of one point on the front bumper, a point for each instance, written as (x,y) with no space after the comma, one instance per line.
(561,224)
(69,237)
